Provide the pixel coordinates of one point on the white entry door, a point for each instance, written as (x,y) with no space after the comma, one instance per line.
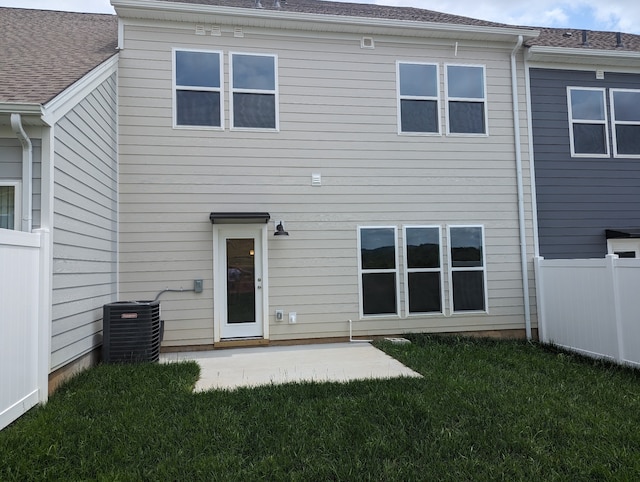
(240,285)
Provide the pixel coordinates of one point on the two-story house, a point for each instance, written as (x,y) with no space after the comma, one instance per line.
(318,162)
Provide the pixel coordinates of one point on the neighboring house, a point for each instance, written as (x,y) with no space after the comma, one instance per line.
(389,143)
(585,119)
(58,167)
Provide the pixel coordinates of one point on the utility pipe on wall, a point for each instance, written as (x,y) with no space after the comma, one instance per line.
(521,214)
(27,171)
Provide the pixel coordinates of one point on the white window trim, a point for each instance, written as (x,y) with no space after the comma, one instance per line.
(482,268)
(361,271)
(275,93)
(17,202)
(573,121)
(408,270)
(401,97)
(465,99)
(615,123)
(175,88)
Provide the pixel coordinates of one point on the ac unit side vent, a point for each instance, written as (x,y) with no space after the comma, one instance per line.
(132,332)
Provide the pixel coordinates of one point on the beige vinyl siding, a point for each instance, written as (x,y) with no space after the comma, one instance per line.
(338,117)
(85,223)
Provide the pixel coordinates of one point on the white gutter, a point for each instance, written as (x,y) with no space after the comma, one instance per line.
(521,215)
(27,170)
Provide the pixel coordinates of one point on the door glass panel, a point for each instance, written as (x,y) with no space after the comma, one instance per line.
(241,287)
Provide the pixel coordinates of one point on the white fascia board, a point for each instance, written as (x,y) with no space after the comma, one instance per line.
(60,105)
(575,56)
(160,10)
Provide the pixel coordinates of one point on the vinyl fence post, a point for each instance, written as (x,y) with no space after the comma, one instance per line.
(542,319)
(612,273)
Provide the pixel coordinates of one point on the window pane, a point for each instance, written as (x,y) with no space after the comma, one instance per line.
(466,82)
(466,246)
(468,290)
(424,292)
(418,80)
(466,117)
(377,248)
(423,248)
(198,108)
(254,110)
(379,293)
(589,139)
(419,115)
(254,72)
(628,138)
(587,104)
(627,106)
(7,207)
(197,69)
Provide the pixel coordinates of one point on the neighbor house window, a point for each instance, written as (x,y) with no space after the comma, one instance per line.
(588,132)
(625,110)
(423,275)
(254,97)
(198,100)
(10,205)
(468,277)
(466,99)
(378,266)
(418,98)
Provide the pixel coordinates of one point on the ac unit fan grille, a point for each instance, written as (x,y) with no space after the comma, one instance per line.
(132,332)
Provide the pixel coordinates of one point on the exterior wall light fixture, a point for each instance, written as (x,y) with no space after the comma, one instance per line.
(280,230)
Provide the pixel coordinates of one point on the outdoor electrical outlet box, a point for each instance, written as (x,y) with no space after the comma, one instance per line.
(279,315)
(292,317)
(197,285)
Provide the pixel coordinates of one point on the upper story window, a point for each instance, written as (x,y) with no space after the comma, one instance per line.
(254,95)
(418,93)
(423,274)
(378,266)
(588,133)
(468,277)
(466,99)
(625,111)
(10,205)
(198,100)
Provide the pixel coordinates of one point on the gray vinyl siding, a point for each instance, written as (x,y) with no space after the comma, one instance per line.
(85,223)
(11,169)
(338,117)
(578,198)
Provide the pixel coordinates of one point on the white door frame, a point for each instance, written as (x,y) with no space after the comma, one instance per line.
(220,274)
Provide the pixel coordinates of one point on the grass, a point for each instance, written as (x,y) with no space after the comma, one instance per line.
(484,410)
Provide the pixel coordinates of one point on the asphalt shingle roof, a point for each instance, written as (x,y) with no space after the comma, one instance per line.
(366,10)
(44,52)
(596,40)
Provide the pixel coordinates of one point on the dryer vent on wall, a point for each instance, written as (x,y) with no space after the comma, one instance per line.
(132,331)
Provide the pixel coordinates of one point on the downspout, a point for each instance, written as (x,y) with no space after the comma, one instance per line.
(521,214)
(27,170)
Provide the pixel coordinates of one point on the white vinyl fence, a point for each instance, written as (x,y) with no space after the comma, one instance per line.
(591,306)
(24,332)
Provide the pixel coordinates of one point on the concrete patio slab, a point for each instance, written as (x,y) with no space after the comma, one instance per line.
(338,362)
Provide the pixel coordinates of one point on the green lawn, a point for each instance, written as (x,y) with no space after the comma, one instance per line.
(484,410)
